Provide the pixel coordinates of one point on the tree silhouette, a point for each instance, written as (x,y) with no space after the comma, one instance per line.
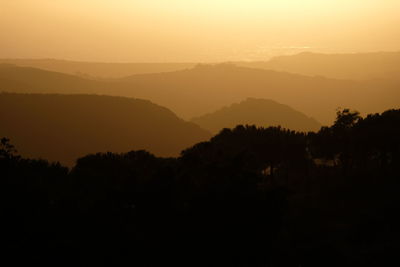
(216,204)
(6,149)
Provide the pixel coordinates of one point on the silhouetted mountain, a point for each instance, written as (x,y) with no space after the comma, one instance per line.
(97,69)
(359,66)
(259,112)
(205,88)
(64,127)
(31,80)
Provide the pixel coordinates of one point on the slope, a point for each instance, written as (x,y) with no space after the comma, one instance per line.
(65,127)
(259,112)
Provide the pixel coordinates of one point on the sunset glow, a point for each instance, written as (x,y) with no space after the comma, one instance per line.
(200,132)
(190,30)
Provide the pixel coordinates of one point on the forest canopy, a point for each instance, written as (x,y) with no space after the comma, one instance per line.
(249,196)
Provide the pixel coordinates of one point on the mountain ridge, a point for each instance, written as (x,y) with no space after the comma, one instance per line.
(194,92)
(353,66)
(259,112)
(64,127)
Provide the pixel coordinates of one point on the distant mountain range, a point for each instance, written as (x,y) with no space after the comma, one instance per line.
(356,66)
(97,69)
(260,112)
(65,127)
(206,88)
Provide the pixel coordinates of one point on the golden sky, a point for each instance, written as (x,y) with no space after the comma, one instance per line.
(194,30)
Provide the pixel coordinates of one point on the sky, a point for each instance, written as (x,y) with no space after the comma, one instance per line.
(194,30)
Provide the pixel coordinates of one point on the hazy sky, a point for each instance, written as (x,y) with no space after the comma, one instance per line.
(194,30)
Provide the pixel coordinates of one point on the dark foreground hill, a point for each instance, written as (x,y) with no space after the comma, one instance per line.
(64,127)
(247,197)
(260,112)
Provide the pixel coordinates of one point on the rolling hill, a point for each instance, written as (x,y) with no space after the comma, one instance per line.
(355,66)
(97,70)
(260,112)
(65,127)
(33,80)
(205,88)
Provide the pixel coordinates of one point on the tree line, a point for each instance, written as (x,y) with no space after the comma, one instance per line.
(250,196)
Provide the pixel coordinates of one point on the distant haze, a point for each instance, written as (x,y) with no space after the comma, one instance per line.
(194,31)
(207,88)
